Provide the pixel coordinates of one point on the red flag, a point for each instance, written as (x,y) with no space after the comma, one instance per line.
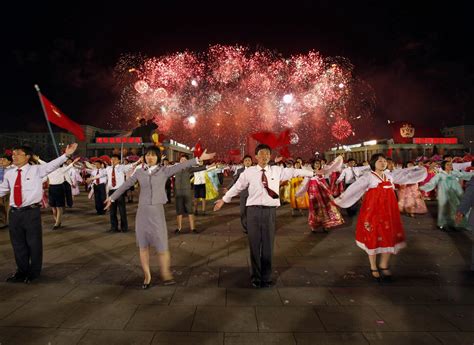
(284,138)
(285,152)
(57,117)
(234,152)
(198,150)
(273,140)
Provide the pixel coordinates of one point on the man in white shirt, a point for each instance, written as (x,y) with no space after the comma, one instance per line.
(263,183)
(25,185)
(115,177)
(98,185)
(5,164)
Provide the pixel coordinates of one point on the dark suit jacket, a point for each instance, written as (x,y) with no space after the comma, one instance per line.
(245,192)
(467,202)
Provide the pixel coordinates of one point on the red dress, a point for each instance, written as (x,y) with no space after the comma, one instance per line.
(322,210)
(379,226)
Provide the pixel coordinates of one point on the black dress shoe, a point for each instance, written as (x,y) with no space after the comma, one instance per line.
(268,284)
(256,283)
(16,278)
(29,279)
(126,230)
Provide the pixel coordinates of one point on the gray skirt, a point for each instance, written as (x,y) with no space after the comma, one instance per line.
(150,227)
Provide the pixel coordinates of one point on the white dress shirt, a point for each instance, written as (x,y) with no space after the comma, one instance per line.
(98,172)
(120,171)
(31,181)
(251,178)
(351,174)
(59,175)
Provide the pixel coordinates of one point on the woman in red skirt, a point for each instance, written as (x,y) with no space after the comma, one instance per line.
(379,227)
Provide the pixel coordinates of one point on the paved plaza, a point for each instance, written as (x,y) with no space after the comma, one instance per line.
(90,290)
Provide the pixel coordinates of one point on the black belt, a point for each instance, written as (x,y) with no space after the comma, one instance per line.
(24,208)
(261,206)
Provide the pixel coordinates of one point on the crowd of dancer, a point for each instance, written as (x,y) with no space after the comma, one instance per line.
(376,191)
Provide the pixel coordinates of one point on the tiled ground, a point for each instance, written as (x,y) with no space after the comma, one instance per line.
(89,292)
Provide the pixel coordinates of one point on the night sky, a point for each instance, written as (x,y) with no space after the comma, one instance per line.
(417,56)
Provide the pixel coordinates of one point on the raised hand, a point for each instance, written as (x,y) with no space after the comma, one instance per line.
(206,156)
(70,149)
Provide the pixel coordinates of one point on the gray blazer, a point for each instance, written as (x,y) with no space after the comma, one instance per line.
(245,192)
(152,186)
(182,179)
(467,202)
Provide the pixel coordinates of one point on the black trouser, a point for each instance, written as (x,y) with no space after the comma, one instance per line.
(168,189)
(220,177)
(68,192)
(120,204)
(243,209)
(99,197)
(27,240)
(261,234)
(352,210)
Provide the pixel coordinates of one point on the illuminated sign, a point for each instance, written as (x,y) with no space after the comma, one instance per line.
(118,140)
(435,140)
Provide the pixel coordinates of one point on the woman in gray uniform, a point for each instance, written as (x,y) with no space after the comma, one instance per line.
(150,222)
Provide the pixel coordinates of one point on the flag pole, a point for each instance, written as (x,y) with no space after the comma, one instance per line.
(47,121)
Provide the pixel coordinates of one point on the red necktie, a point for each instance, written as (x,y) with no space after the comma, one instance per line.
(265,184)
(17,190)
(114,181)
(97,180)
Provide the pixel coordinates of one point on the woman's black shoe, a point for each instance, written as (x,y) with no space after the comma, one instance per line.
(386,277)
(379,278)
(146,285)
(177,231)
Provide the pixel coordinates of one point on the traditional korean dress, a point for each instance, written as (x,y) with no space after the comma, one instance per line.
(410,199)
(379,227)
(335,187)
(285,192)
(212,184)
(298,202)
(449,195)
(323,212)
(431,195)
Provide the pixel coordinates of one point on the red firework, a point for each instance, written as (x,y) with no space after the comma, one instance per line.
(341,129)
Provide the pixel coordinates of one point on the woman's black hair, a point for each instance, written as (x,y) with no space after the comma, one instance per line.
(314,162)
(375,158)
(155,150)
(408,162)
(262,147)
(443,164)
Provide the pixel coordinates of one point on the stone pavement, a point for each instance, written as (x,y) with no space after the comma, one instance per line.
(90,292)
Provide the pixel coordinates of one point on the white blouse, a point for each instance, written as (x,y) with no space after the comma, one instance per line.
(368,180)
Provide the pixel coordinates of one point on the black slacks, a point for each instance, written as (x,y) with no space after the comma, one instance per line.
(120,205)
(99,197)
(261,235)
(68,192)
(27,240)
(243,209)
